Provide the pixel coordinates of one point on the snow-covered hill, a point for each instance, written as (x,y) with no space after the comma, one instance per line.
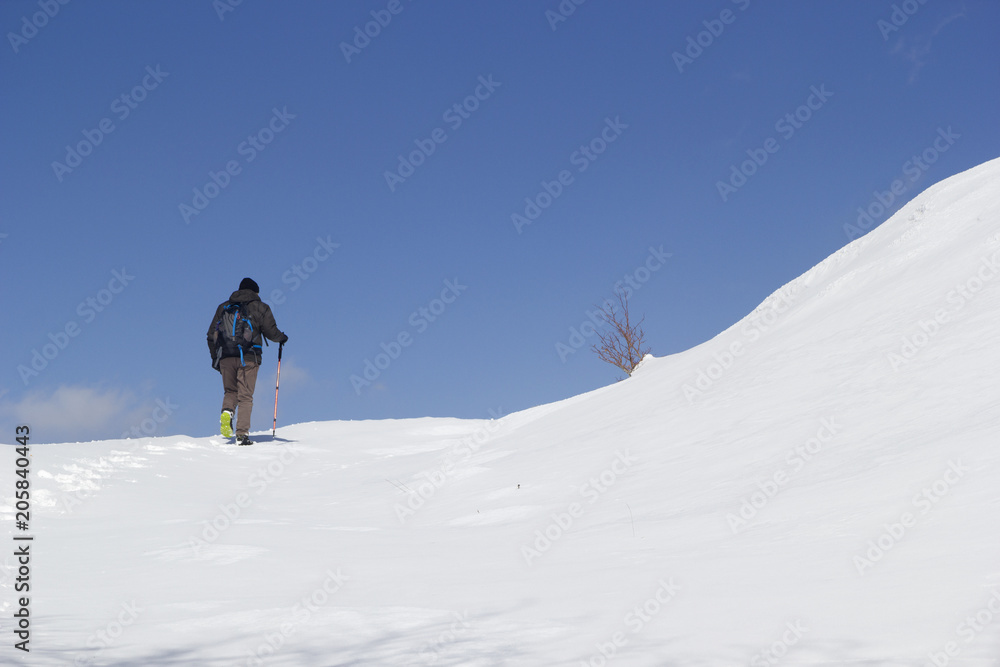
(817,485)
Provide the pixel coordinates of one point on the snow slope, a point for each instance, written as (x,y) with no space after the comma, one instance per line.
(817,485)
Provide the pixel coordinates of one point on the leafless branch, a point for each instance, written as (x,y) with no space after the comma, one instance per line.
(623,345)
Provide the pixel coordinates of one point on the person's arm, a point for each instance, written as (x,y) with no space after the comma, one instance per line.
(269,327)
(212,333)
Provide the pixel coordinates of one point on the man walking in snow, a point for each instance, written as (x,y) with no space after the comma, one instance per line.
(234,339)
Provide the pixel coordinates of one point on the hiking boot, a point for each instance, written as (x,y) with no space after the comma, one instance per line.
(243,440)
(226,424)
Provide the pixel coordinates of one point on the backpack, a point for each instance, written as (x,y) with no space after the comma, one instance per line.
(234,333)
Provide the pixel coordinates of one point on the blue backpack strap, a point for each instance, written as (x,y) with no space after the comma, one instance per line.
(240,316)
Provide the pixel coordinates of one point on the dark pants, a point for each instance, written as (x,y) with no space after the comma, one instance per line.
(239,382)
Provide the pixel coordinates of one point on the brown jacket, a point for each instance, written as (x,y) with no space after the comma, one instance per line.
(260,315)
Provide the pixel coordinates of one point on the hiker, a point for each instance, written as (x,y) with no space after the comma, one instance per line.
(234,339)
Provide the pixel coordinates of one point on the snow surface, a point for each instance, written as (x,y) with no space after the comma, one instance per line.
(852,418)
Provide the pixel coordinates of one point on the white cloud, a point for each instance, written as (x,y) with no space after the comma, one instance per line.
(74,413)
(292,375)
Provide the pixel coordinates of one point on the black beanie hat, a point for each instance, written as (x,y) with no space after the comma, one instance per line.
(246,283)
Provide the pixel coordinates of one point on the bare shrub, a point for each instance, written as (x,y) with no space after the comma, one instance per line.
(624,344)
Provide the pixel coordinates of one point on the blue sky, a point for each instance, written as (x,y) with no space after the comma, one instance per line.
(381,188)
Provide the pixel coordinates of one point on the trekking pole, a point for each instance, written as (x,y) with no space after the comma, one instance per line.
(274,426)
